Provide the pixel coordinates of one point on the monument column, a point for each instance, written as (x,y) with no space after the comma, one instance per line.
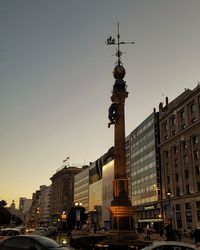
(121,210)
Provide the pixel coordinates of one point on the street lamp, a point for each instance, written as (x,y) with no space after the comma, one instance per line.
(169,230)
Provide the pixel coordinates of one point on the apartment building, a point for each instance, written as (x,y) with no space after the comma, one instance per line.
(62,192)
(180,159)
(45,205)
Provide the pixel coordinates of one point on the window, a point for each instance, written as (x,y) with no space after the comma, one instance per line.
(187,189)
(186,174)
(197,170)
(198,210)
(189,216)
(192,108)
(182,119)
(173,125)
(187,206)
(185,159)
(173,121)
(193,120)
(182,114)
(176,163)
(178,207)
(195,140)
(175,150)
(177,191)
(165,127)
(176,177)
(184,145)
(196,154)
(198,186)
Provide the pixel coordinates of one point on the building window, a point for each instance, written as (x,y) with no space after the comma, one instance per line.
(187,189)
(186,174)
(189,216)
(178,220)
(165,128)
(185,159)
(198,186)
(182,119)
(195,140)
(173,125)
(196,154)
(184,145)
(175,150)
(176,163)
(168,179)
(176,177)
(198,210)
(197,170)
(178,207)
(182,114)
(177,191)
(187,206)
(173,120)
(192,108)
(193,120)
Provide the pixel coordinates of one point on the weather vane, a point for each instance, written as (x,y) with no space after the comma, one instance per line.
(111,41)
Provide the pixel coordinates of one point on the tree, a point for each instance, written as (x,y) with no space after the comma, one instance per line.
(5,216)
(3,203)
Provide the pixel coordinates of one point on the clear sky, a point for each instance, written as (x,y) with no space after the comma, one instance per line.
(56,77)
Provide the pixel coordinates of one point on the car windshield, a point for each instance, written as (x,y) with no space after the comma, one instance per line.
(9,232)
(48,242)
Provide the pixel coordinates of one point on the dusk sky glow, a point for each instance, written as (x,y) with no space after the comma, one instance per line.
(56,78)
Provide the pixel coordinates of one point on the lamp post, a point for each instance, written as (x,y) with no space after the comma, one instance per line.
(170,210)
(169,230)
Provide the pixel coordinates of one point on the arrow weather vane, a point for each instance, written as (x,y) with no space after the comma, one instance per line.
(111,41)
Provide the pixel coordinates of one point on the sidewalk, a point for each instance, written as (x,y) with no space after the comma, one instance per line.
(157,237)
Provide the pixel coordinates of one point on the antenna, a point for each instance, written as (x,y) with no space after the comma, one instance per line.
(111,41)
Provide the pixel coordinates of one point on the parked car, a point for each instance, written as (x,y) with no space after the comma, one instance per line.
(30,242)
(40,231)
(170,245)
(51,231)
(8,232)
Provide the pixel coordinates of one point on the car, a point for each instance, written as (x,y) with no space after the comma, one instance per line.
(8,232)
(40,231)
(170,245)
(30,242)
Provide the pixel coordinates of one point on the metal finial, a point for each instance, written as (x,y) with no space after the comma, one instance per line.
(111,41)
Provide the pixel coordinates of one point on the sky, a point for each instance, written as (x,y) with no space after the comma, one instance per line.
(56,78)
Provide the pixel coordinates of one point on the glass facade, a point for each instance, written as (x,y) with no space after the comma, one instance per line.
(143,163)
(95,194)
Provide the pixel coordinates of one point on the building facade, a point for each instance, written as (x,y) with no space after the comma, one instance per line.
(143,162)
(45,205)
(107,191)
(24,208)
(81,188)
(98,198)
(62,192)
(180,159)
